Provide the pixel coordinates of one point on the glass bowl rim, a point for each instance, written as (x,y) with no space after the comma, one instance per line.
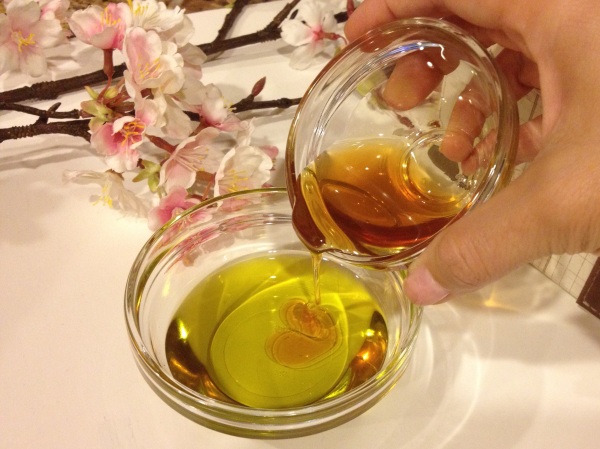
(178,393)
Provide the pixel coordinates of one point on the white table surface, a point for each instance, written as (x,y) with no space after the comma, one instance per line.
(516,365)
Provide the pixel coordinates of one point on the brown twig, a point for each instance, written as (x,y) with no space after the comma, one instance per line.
(236,9)
(77,128)
(280,103)
(49,90)
(264,35)
(282,15)
(45,114)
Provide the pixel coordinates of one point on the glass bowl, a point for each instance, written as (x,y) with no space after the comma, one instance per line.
(250,230)
(402,133)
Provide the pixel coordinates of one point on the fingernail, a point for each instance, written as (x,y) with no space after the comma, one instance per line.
(422,289)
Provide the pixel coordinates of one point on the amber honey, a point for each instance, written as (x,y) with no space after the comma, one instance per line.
(376,196)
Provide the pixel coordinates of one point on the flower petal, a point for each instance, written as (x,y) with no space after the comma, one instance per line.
(302,57)
(242,168)
(295,33)
(33,62)
(9,58)
(311,13)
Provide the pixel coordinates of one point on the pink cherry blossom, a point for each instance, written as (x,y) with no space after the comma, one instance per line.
(313,24)
(24,35)
(118,142)
(172,25)
(103,28)
(271,151)
(191,156)
(155,71)
(169,207)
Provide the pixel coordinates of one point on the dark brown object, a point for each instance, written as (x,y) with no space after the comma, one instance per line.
(589,298)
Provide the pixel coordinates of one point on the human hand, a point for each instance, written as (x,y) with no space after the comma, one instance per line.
(554,207)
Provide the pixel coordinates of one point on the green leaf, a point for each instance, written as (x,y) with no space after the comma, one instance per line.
(150,172)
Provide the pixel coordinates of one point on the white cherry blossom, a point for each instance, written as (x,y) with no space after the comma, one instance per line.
(311,28)
(114,194)
(191,156)
(243,167)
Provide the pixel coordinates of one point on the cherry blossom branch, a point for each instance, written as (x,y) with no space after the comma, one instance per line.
(169,135)
(49,90)
(80,128)
(271,32)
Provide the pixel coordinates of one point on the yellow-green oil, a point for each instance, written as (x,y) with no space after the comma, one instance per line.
(253,334)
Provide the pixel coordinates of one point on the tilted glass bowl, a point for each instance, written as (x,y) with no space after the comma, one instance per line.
(422,85)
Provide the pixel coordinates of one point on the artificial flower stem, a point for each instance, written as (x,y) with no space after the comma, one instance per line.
(109,67)
(161,143)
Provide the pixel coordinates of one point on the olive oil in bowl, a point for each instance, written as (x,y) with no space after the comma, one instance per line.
(253,333)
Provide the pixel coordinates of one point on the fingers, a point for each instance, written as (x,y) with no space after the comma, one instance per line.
(465,125)
(372,13)
(520,72)
(487,16)
(413,78)
(472,110)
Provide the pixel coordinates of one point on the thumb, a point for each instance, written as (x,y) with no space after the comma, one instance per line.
(482,246)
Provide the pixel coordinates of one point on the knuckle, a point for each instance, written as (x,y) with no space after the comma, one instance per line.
(465,262)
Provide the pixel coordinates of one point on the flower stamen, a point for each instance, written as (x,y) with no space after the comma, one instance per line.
(235,179)
(23,41)
(149,70)
(108,19)
(132,132)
